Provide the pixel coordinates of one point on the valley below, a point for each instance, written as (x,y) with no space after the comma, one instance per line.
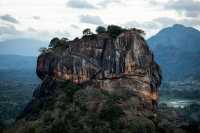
(179,94)
(16,87)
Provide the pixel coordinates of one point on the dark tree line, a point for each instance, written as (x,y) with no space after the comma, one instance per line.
(112,30)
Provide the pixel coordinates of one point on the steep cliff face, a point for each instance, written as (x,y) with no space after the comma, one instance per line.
(98,85)
(106,63)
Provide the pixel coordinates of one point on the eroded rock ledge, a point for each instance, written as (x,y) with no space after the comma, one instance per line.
(106,63)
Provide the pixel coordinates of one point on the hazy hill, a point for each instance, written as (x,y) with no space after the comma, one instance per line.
(16,62)
(27,47)
(177,50)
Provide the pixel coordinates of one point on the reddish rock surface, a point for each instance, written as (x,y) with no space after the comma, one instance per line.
(107,63)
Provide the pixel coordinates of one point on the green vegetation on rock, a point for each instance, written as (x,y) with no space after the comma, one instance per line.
(71,109)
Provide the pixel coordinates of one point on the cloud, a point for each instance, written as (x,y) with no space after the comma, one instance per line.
(145,25)
(9,18)
(31,32)
(96,20)
(149,27)
(30,29)
(153,26)
(80,4)
(62,34)
(192,14)
(36,17)
(153,2)
(190,22)
(74,26)
(105,3)
(165,21)
(8,30)
(190,8)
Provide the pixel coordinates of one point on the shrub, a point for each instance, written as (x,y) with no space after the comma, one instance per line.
(87,32)
(54,42)
(114,30)
(69,88)
(47,118)
(43,50)
(111,113)
(58,126)
(100,29)
(141,125)
(139,31)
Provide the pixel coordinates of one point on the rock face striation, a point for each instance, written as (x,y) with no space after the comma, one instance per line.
(106,63)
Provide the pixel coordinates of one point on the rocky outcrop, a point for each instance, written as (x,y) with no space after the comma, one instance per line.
(106,63)
(99,85)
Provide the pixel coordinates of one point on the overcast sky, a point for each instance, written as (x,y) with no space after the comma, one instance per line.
(44,19)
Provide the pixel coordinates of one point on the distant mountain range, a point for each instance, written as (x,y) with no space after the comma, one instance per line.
(27,47)
(177,50)
(17,62)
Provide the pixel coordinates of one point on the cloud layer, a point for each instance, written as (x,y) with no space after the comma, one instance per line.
(9,18)
(96,20)
(80,4)
(106,3)
(190,8)
(45,19)
(8,30)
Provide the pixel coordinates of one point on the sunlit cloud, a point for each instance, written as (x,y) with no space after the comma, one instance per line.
(49,18)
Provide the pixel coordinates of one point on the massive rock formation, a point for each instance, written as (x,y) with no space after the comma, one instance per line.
(98,84)
(106,63)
